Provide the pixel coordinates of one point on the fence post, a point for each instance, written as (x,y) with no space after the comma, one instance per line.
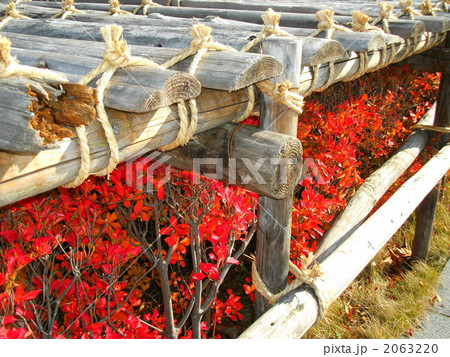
(426,211)
(275,216)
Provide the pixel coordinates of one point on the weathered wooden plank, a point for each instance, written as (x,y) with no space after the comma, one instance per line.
(262,161)
(135,89)
(316,50)
(275,216)
(294,314)
(35,115)
(373,188)
(176,32)
(26,175)
(217,70)
(433,24)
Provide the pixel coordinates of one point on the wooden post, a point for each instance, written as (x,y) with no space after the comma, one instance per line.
(275,216)
(426,211)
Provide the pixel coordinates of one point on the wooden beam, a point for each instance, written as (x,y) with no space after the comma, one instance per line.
(217,70)
(294,314)
(26,175)
(432,23)
(135,89)
(233,33)
(262,161)
(275,216)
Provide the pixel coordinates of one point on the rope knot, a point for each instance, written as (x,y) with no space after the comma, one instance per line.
(385,15)
(361,22)
(281,93)
(117,50)
(407,8)
(271,21)
(427,9)
(145,5)
(327,24)
(308,274)
(114,8)
(67,8)
(13,13)
(386,11)
(201,36)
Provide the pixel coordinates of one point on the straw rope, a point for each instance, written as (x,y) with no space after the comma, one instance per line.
(445,5)
(327,24)
(67,8)
(362,68)
(427,9)
(9,66)
(385,15)
(408,9)
(280,93)
(360,22)
(145,5)
(271,27)
(201,43)
(11,13)
(115,10)
(117,55)
(306,275)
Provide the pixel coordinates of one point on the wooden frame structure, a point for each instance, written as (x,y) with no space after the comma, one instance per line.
(308,63)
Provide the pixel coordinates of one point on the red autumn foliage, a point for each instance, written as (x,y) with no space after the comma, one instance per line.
(111,260)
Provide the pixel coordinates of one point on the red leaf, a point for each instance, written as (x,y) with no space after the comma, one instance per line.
(160,193)
(8,320)
(2,279)
(231,260)
(30,295)
(198,276)
(171,240)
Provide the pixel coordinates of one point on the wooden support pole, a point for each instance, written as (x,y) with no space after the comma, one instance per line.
(426,211)
(275,216)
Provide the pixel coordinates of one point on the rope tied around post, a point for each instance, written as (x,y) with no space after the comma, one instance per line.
(280,93)
(327,24)
(385,15)
(361,23)
(427,9)
(145,5)
(67,8)
(408,9)
(115,10)
(117,55)
(11,13)
(306,275)
(271,27)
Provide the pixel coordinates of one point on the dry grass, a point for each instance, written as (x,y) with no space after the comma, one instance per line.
(390,296)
